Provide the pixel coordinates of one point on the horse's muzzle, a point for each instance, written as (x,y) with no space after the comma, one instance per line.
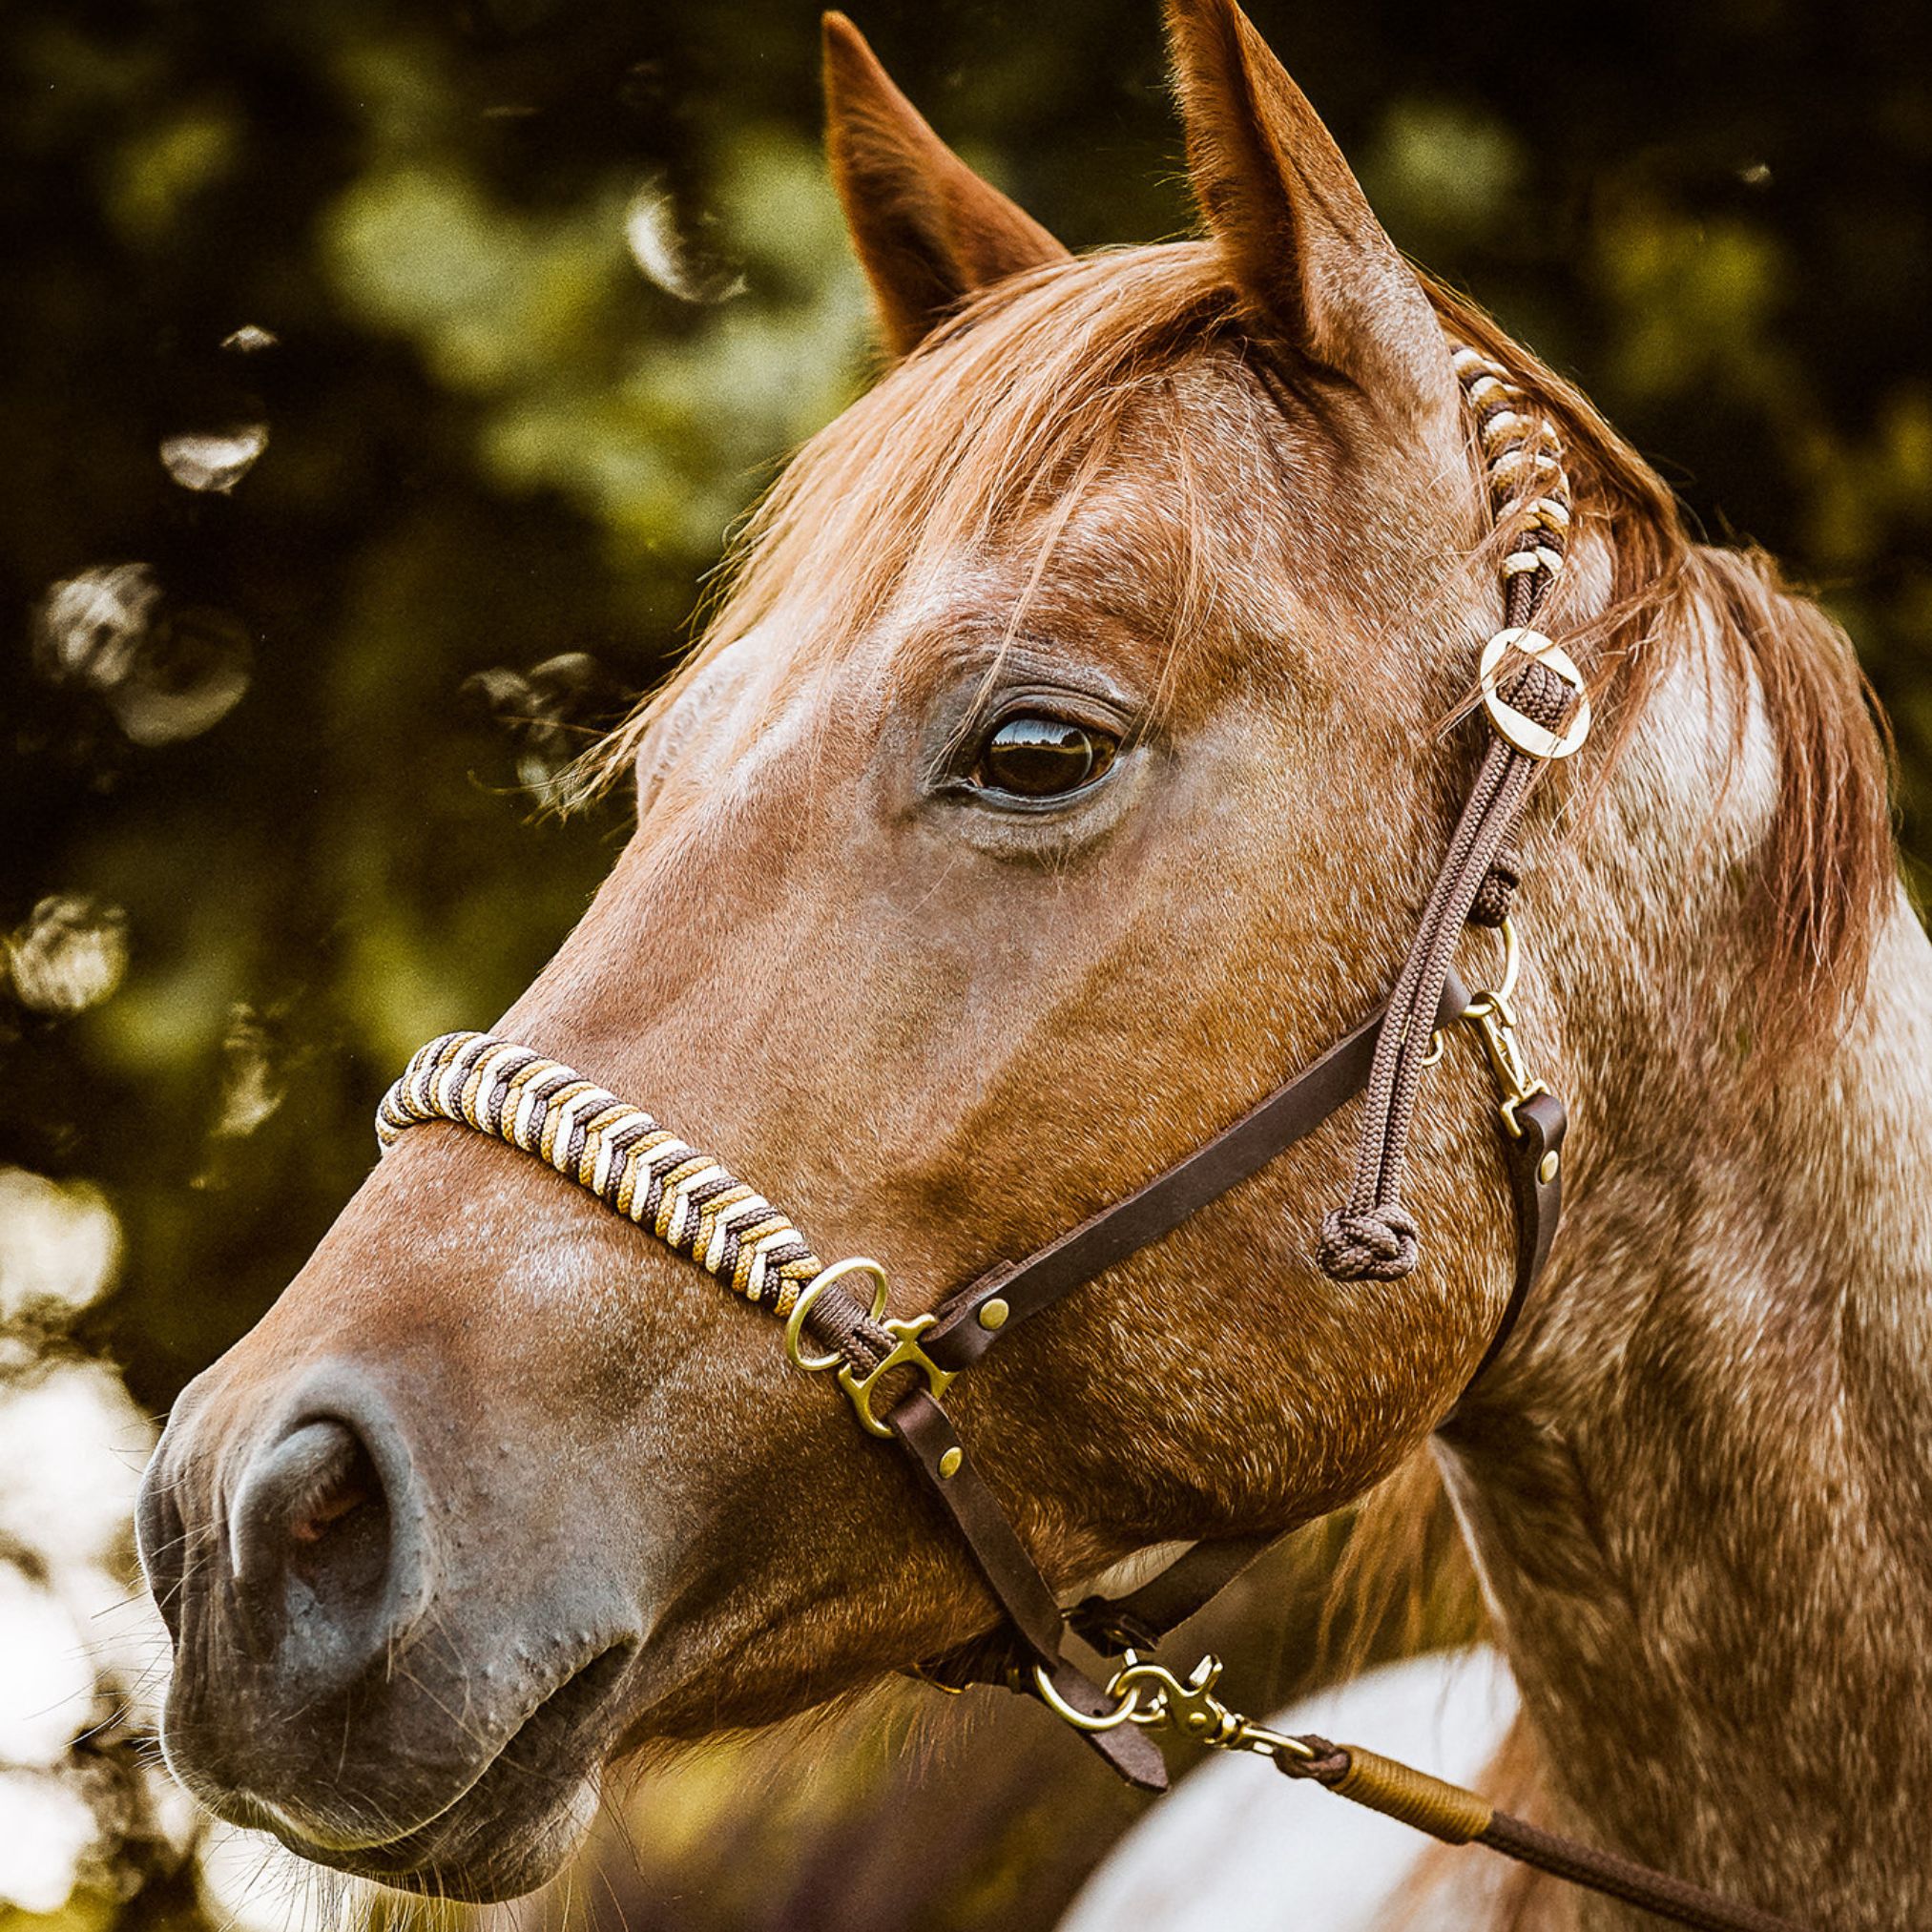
(294,1538)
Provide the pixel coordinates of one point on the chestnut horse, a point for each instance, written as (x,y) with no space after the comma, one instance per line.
(1070,761)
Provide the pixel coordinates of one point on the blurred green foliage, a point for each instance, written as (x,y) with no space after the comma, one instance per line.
(534,294)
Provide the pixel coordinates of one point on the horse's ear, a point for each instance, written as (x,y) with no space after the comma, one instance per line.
(1300,241)
(927,229)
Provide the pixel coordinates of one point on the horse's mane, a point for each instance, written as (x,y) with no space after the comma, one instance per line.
(1829,863)
(1010,411)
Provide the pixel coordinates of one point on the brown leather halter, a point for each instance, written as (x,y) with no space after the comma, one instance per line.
(1537,709)
(1535,703)
(969,1324)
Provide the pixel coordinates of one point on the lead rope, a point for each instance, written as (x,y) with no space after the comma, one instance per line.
(1372,1236)
(1152,1696)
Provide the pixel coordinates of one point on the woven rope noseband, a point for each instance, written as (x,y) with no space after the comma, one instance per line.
(694,1205)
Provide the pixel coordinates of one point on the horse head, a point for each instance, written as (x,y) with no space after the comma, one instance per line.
(1069,761)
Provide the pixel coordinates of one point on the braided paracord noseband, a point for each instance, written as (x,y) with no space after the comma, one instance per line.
(691,1202)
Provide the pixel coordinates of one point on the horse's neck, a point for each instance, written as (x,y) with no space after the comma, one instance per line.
(1699,1488)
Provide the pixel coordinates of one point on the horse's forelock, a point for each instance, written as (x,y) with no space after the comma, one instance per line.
(1002,415)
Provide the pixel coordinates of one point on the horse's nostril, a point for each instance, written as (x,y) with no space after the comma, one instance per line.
(344,1501)
(311,1534)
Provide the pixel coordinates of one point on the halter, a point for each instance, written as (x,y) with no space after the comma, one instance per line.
(1538,709)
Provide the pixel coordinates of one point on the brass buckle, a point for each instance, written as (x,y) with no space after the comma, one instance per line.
(906,1352)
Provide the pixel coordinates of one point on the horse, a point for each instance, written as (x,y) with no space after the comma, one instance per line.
(1070,756)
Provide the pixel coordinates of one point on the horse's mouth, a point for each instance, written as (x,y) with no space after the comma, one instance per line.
(510,1827)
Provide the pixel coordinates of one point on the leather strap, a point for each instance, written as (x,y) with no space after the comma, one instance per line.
(927,1434)
(1141,1617)
(1291,1112)
(1036,1626)
(1534,1158)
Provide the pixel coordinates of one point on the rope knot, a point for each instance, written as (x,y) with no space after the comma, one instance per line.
(1373,1244)
(1497,893)
(1541,695)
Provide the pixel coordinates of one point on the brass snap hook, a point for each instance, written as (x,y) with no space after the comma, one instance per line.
(1482,1004)
(1494,1022)
(1109,1721)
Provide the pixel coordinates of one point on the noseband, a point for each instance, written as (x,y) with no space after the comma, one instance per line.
(1538,709)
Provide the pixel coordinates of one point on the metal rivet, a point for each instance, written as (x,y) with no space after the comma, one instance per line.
(1546,1168)
(994,1314)
(948,1463)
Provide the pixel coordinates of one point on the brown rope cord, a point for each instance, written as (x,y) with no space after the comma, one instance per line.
(1372,1236)
(1599,1871)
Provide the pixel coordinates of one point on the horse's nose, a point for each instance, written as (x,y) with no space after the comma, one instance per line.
(324,1536)
(311,1532)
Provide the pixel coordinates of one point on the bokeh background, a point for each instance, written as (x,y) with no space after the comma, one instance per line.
(377,384)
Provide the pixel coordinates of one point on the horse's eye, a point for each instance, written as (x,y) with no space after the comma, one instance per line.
(1042,757)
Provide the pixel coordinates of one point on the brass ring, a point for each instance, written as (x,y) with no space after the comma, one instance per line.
(1079,1719)
(795,1322)
(1496,999)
